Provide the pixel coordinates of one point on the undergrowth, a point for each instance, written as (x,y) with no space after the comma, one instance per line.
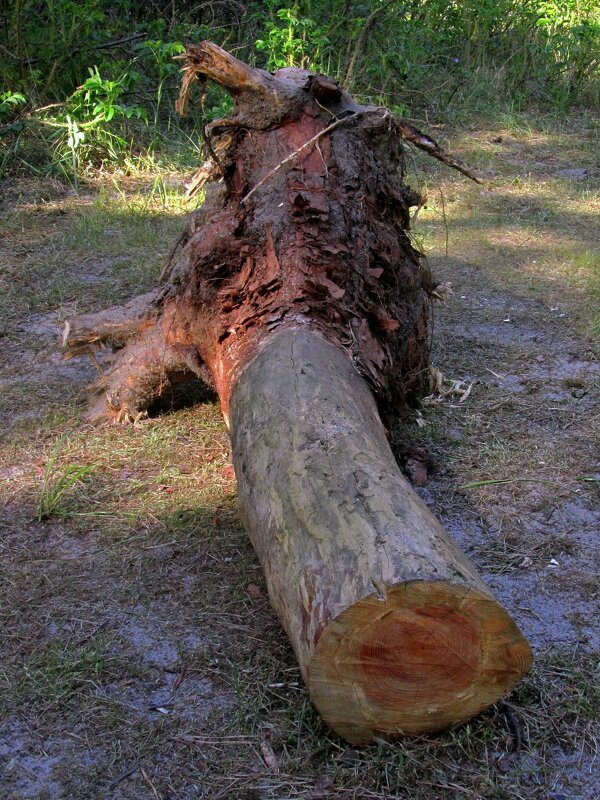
(91,85)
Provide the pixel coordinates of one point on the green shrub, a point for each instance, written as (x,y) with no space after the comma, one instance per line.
(95,71)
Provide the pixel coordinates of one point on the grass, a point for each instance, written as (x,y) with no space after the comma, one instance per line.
(94,248)
(129,592)
(62,672)
(56,483)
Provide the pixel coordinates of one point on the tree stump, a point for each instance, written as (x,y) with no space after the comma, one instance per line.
(299,297)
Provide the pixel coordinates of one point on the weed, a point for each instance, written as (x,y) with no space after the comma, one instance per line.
(580,684)
(10,102)
(61,671)
(57,482)
(292,40)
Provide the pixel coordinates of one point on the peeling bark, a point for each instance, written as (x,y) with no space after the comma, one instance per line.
(297,294)
(306,217)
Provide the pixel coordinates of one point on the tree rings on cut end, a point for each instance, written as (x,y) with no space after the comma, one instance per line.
(429,655)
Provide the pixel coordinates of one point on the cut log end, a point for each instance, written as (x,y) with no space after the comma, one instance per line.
(299,287)
(423,657)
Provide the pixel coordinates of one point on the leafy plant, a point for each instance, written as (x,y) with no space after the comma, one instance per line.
(93,124)
(10,102)
(161,56)
(100,99)
(291,40)
(74,139)
(56,483)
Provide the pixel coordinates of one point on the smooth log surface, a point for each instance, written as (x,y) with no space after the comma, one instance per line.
(394,630)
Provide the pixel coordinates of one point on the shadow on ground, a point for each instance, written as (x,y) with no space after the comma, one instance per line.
(141,657)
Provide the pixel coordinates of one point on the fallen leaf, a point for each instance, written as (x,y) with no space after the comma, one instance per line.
(437,380)
(466,393)
(180,678)
(321,787)
(417,471)
(269,756)
(443,292)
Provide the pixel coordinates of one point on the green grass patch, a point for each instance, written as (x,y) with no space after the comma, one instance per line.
(64,673)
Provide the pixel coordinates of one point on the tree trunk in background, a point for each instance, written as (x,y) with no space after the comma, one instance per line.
(298,296)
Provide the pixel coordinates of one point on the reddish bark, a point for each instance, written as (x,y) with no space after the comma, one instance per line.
(289,233)
(298,263)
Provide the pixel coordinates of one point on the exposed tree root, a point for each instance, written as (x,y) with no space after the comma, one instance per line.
(305,221)
(297,274)
(147,358)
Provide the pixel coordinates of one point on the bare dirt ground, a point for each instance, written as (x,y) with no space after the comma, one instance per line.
(139,655)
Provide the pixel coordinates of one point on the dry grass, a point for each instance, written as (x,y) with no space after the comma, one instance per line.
(136,663)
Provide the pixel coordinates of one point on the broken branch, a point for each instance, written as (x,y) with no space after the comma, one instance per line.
(430,146)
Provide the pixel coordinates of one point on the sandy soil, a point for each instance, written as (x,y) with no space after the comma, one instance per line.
(140,657)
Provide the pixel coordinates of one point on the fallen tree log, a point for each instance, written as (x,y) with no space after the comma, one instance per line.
(299,297)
